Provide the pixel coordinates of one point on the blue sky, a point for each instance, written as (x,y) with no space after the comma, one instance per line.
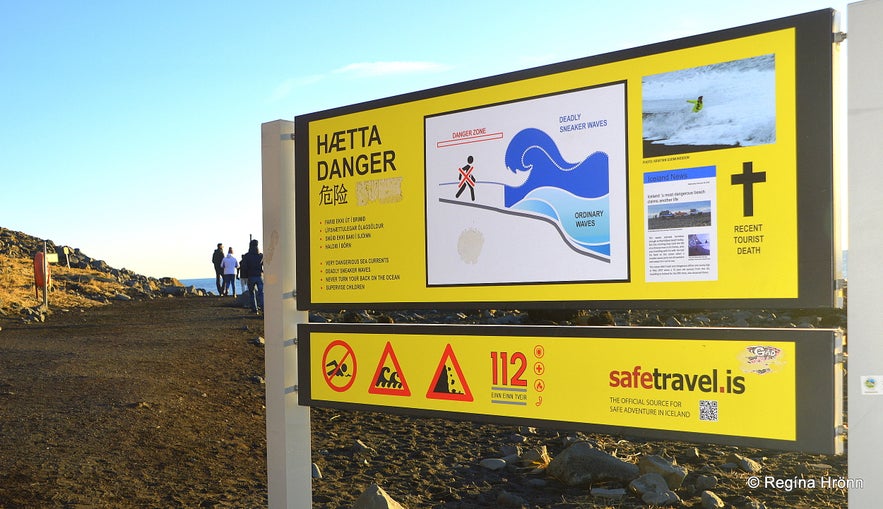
(131,130)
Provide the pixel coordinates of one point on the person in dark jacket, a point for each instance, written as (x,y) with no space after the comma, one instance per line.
(217,258)
(252,268)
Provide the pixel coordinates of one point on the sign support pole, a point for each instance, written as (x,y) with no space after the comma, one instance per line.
(45,277)
(865,98)
(289,472)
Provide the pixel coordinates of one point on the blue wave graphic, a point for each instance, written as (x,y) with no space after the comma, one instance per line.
(534,151)
(573,195)
(584,222)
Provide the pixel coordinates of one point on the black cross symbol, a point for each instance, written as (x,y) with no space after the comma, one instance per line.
(747,179)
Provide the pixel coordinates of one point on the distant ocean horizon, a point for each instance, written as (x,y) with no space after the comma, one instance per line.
(206,283)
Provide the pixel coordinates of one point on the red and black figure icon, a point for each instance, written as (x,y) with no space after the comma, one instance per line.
(466,179)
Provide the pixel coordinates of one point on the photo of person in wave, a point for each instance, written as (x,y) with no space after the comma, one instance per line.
(697,104)
(743,95)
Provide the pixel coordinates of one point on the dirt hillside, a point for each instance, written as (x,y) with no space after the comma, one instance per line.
(76,280)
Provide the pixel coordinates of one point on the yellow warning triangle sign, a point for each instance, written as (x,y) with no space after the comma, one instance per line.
(448,381)
(388,377)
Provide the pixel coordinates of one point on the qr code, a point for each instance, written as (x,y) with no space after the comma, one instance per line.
(707,410)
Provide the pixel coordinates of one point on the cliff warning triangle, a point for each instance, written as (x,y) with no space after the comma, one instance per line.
(389,378)
(449,382)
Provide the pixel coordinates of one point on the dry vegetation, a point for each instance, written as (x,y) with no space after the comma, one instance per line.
(69,288)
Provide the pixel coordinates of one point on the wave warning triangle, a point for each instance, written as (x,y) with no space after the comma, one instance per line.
(389,379)
(448,381)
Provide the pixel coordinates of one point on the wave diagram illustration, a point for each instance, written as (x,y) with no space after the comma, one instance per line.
(573,196)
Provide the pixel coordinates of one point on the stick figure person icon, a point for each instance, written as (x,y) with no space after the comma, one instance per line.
(466,179)
(337,370)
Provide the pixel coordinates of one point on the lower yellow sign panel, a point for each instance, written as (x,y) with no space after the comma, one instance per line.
(745,387)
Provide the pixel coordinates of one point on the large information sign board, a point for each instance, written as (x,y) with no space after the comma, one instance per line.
(754,387)
(654,176)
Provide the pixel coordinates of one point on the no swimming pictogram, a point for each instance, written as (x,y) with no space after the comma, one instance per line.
(448,381)
(389,378)
(339,366)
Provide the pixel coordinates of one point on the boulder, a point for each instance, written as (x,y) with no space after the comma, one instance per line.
(493,463)
(672,473)
(711,501)
(375,498)
(705,482)
(583,465)
(744,463)
(654,490)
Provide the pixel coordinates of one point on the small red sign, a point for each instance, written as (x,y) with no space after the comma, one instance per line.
(339,366)
(389,380)
(448,381)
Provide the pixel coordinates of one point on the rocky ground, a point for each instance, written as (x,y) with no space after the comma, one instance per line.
(152,403)
(160,403)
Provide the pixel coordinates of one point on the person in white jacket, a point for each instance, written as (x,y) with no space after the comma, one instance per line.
(230,266)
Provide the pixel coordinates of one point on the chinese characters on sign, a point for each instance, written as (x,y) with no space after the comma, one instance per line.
(329,195)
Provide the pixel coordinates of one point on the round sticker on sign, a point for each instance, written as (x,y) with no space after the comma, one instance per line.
(339,366)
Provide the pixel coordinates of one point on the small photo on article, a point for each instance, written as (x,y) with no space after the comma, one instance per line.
(699,244)
(679,215)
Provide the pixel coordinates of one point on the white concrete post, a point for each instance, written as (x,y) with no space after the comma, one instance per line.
(865,292)
(289,472)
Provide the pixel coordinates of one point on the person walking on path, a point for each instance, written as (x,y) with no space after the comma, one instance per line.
(252,268)
(229,265)
(217,258)
(243,280)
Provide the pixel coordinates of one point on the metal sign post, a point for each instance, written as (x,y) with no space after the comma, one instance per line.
(288,425)
(865,98)
(45,277)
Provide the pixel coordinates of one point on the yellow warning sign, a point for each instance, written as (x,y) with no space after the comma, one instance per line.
(633,175)
(389,378)
(448,381)
(712,384)
(706,386)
